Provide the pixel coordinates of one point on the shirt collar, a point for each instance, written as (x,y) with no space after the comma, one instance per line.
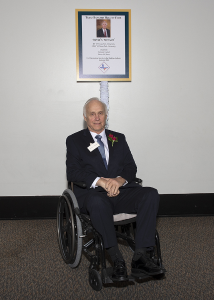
(103,134)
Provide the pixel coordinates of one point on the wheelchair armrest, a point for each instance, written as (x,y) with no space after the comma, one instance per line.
(138,180)
(78,183)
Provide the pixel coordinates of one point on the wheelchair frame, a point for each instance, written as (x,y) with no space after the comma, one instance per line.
(72,227)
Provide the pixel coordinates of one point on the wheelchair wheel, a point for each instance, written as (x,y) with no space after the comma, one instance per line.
(69,229)
(95,280)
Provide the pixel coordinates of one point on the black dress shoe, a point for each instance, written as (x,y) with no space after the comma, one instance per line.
(119,270)
(145,265)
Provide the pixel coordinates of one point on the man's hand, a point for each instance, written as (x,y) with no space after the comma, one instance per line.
(112,185)
(102,182)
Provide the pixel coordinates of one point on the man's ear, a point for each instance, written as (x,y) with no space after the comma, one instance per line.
(84,117)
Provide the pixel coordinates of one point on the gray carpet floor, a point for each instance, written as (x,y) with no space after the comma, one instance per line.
(31,266)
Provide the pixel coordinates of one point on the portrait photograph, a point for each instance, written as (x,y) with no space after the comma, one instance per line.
(104,28)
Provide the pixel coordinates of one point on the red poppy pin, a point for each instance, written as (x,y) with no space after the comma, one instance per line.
(112,139)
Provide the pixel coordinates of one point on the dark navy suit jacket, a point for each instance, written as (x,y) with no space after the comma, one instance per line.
(101,34)
(83,165)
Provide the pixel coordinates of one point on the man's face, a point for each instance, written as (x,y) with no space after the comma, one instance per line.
(95,116)
(104,24)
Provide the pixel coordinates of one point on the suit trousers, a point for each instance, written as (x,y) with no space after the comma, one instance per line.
(143,201)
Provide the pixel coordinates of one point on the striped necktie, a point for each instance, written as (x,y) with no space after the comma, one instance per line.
(101,149)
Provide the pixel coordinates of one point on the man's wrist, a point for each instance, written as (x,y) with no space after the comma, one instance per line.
(122,181)
(94,183)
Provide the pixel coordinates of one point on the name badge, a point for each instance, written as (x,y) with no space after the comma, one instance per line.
(93,146)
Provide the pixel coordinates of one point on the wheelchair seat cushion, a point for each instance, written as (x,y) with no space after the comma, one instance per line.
(123,216)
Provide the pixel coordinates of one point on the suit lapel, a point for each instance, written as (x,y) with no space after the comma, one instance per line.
(88,137)
(110,148)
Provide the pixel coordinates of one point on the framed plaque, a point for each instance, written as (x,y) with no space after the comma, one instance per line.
(103,41)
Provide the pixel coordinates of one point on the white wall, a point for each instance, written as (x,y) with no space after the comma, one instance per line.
(166,111)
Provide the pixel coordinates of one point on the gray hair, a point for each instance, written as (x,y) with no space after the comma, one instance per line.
(92,99)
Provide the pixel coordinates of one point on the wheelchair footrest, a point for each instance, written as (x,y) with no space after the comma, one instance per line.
(109,272)
(129,278)
(105,276)
(140,276)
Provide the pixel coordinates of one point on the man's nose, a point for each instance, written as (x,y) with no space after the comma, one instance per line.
(97,117)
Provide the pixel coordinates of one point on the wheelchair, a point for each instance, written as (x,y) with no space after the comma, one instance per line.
(73,227)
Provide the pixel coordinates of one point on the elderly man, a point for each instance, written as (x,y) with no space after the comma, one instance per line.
(102,159)
(103,32)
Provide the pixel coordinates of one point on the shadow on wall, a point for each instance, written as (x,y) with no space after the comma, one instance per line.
(84,125)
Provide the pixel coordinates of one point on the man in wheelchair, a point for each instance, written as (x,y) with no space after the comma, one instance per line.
(102,159)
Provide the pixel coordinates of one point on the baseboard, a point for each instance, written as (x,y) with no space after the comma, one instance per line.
(28,207)
(186,205)
(44,207)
